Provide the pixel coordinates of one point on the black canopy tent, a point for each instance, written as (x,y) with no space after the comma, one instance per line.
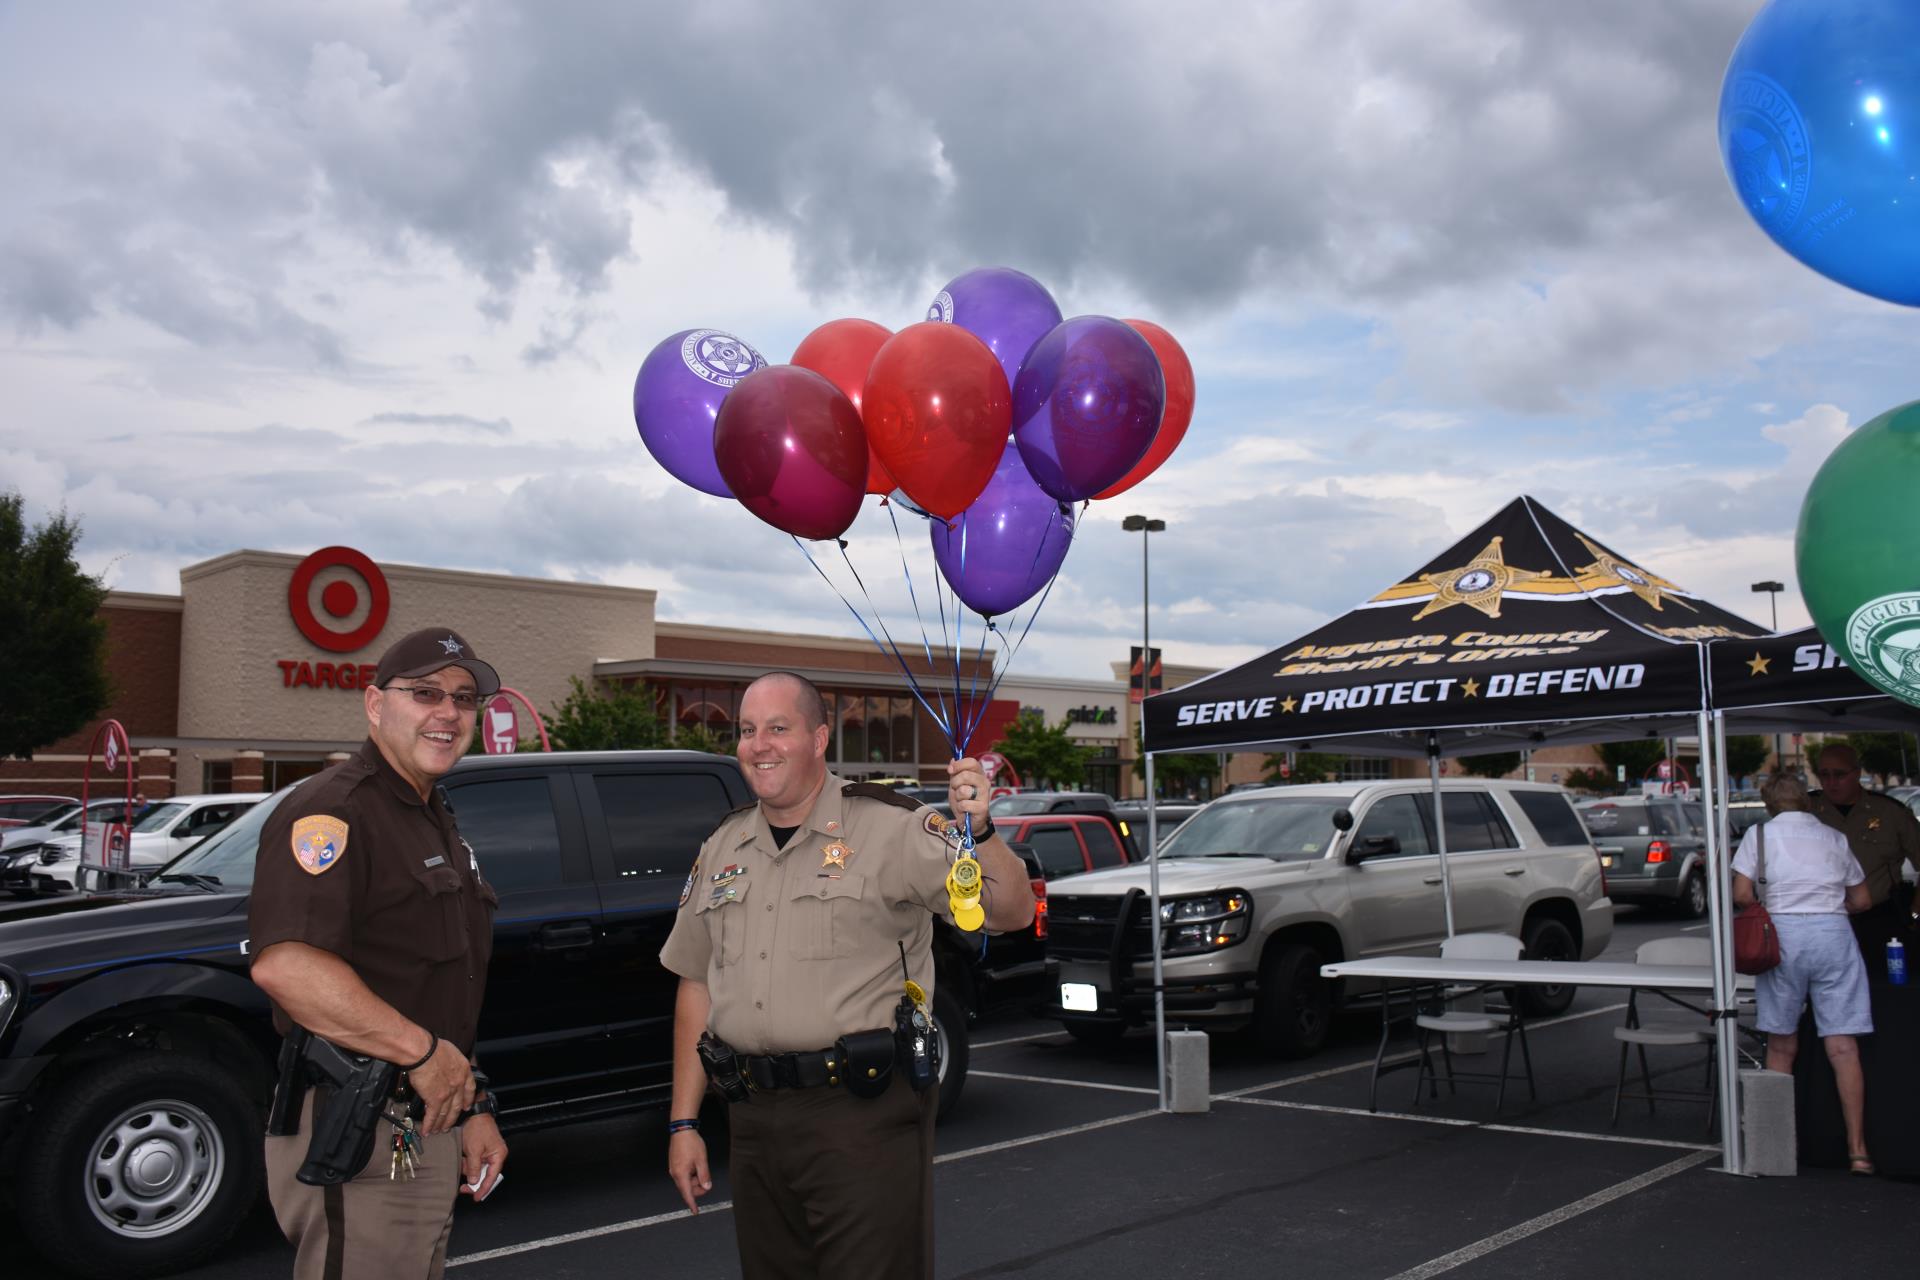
(1795,682)
(1525,632)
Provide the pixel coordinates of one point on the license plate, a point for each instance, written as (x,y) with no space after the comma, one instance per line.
(1083,996)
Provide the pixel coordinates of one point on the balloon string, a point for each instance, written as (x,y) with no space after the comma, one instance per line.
(912,685)
(905,667)
(907,573)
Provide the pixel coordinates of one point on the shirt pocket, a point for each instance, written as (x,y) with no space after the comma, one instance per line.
(725,915)
(442,914)
(826,918)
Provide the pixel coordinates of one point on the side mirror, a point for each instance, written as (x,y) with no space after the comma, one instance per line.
(1373,847)
(1343,819)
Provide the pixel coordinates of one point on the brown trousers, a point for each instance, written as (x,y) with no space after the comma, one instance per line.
(827,1186)
(371,1227)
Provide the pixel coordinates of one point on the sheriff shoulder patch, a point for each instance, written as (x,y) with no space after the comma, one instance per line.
(686,890)
(944,828)
(319,842)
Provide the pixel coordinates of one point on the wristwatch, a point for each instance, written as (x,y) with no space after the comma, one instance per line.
(483,1105)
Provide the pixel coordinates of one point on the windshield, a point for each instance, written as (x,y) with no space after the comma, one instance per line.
(158,817)
(1284,828)
(58,817)
(1014,806)
(227,855)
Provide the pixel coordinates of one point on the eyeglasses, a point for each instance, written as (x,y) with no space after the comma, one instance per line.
(1835,773)
(430,696)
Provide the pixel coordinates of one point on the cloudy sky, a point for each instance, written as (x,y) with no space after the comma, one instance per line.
(279,276)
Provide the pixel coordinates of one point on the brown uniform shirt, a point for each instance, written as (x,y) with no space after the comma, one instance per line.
(800,946)
(356,863)
(1882,832)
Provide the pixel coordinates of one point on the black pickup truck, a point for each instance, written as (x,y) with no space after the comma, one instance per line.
(136,1055)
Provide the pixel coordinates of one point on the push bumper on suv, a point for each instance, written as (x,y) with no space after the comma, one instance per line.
(1103,942)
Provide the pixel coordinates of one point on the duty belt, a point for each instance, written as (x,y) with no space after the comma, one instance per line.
(793,1070)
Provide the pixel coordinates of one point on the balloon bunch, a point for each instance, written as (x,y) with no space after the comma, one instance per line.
(989,420)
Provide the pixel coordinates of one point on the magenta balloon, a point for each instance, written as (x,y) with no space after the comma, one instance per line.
(790,445)
(1002,550)
(677,397)
(1087,405)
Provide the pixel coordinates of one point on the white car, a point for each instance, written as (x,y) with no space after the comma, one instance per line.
(167,829)
(22,848)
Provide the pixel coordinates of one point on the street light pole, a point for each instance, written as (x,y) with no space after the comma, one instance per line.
(1146,529)
(1773,590)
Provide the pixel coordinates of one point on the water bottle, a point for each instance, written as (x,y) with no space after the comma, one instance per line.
(1896,962)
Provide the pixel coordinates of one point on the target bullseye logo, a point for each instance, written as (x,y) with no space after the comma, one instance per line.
(339,599)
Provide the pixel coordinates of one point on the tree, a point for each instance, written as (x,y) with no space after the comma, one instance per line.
(1174,772)
(1597,780)
(1883,754)
(697,737)
(1308,766)
(620,718)
(1043,754)
(53,642)
(1496,764)
(1746,752)
(1637,754)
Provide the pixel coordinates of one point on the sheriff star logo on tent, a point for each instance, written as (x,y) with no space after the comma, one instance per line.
(1477,584)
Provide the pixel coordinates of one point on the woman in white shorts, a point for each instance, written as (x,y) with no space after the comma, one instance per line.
(1811,882)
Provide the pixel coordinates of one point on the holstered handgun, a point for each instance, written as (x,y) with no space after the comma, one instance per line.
(354,1090)
(722,1066)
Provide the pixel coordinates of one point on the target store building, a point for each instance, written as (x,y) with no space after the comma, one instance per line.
(251,677)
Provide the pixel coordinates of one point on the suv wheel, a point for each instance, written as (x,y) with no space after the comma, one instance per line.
(950,1024)
(1294,1007)
(1547,939)
(142,1164)
(1692,903)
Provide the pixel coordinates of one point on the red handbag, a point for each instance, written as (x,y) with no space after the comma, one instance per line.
(1756,943)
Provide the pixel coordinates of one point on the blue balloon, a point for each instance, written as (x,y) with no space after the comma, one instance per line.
(1820,135)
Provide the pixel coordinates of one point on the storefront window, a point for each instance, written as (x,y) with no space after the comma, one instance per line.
(879,731)
(284,773)
(853,730)
(216,777)
(905,737)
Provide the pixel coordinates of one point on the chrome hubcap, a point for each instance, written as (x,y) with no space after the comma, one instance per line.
(154,1169)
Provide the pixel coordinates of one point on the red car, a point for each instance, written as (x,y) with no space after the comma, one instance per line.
(24,811)
(1066,844)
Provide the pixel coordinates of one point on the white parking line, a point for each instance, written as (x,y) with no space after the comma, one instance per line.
(995,1044)
(636,1224)
(1457,1123)
(1077,1084)
(1533,1226)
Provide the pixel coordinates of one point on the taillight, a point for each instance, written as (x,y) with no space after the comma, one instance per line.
(1039,908)
(1657,851)
(1603,871)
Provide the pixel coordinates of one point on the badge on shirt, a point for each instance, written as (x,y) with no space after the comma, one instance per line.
(945,828)
(319,842)
(1873,824)
(686,890)
(835,855)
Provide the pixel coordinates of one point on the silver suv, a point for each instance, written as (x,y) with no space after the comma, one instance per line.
(1260,889)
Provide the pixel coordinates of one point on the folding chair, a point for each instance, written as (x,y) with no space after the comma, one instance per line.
(1690,1033)
(1496,1018)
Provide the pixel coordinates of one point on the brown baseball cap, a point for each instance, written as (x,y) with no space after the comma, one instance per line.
(421,653)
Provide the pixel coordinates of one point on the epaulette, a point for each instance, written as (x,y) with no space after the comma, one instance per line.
(886,795)
(742,809)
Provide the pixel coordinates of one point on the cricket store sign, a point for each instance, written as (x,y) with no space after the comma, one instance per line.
(339,601)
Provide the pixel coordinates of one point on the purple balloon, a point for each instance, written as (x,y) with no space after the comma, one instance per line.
(1014,538)
(677,397)
(1006,309)
(1087,405)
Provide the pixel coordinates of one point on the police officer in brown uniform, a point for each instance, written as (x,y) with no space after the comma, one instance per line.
(801,922)
(371,928)
(1883,833)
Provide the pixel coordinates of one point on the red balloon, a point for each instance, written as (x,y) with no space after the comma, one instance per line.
(938,410)
(791,448)
(1178,372)
(841,351)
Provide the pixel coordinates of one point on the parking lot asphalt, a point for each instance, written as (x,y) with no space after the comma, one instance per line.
(1057,1164)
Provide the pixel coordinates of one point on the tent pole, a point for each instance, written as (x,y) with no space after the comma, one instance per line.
(1719,927)
(1440,827)
(1153,929)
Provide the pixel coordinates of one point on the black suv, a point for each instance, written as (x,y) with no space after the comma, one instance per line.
(136,1055)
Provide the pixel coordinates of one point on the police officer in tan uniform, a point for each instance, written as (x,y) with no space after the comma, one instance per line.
(802,922)
(1883,834)
(371,928)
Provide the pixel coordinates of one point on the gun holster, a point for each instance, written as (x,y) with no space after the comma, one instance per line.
(722,1066)
(354,1090)
(867,1058)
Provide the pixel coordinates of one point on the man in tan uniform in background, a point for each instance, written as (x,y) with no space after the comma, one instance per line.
(792,933)
(1883,834)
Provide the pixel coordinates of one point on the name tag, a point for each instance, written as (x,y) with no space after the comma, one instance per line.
(435,861)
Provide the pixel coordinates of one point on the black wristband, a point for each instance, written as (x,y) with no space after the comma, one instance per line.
(983,830)
(433,1046)
(680,1126)
(484,1105)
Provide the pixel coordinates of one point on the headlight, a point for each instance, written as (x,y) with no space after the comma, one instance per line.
(9,996)
(1191,926)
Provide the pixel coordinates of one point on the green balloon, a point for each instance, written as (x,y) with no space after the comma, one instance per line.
(1857,551)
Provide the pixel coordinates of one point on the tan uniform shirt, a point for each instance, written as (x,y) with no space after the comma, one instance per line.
(800,946)
(1882,832)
